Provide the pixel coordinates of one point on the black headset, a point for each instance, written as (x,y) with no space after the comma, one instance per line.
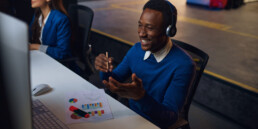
(171,29)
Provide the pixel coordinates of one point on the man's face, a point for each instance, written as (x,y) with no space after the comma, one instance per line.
(151,30)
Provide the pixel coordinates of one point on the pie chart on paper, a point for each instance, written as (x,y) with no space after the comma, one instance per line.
(75,116)
(73,100)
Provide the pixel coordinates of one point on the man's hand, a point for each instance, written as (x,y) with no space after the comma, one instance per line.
(133,90)
(34,46)
(103,63)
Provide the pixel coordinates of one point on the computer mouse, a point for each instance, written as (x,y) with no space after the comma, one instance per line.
(41,89)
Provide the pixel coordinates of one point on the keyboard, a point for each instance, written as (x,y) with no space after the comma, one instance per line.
(43,118)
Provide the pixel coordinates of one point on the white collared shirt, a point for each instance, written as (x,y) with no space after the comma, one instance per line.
(161,54)
(42,27)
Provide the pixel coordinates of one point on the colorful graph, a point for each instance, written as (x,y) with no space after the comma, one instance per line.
(99,112)
(75,116)
(92,106)
(92,113)
(73,100)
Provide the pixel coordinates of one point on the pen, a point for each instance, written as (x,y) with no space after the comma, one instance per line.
(79,112)
(107,57)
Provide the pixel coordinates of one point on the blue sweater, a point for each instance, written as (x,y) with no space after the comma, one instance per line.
(56,35)
(166,83)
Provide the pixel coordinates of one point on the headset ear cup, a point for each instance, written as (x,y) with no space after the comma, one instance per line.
(173,32)
(168,31)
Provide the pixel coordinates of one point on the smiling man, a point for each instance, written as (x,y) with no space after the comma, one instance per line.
(161,71)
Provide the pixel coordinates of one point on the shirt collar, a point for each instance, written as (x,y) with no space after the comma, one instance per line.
(40,19)
(161,54)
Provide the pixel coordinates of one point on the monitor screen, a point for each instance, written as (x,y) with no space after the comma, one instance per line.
(15,73)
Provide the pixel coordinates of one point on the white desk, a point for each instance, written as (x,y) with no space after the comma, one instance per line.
(44,69)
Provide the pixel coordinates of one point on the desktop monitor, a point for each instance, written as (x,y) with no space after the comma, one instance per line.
(14,74)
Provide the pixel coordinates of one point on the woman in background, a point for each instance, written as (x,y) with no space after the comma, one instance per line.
(50,30)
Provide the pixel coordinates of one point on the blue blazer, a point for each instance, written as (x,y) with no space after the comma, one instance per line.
(56,35)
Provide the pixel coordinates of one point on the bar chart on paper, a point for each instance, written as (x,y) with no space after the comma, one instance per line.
(92,106)
(93,103)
